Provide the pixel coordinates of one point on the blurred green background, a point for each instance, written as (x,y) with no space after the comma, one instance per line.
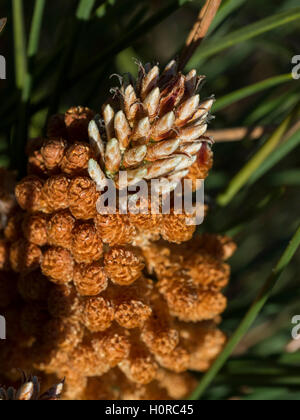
(249,42)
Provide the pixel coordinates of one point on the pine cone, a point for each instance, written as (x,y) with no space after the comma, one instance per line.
(24,256)
(29,194)
(87,246)
(98,314)
(174,228)
(156,130)
(140,366)
(52,152)
(177,360)
(13,227)
(90,280)
(115,229)
(123,265)
(58,264)
(204,343)
(112,344)
(60,228)
(35,229)
(158,333)
(55,193)
(76,158)
(82,198)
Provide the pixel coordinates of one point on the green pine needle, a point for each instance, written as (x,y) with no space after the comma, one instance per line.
(25,82)
(213,47)
(243,93)
(19,43)
(250,317)
(83,14)
(249,170)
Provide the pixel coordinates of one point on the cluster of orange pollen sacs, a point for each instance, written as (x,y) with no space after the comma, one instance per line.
(122,306)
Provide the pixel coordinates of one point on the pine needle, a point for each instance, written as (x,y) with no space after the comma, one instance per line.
(250,317)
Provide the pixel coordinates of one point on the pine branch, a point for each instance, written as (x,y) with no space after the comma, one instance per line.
(239,133)
(199,31)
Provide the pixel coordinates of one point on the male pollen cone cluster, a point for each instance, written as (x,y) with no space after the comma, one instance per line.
(122,306)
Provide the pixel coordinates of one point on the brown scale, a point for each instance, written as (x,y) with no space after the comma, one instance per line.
(208,272)
(87,246)
(29,194)
(84,360)
(204,342)
(82,198)
(178,386)
(176,361)
(55,193)
(132,303)
(189,302)
(113,345)
(132,313)
(158,332)
(175,229)
(90,280)
(147,219)
(60,228)
(36,164)
(35,229)
(13,227)
(53,152)
(140,366)
(24,256)
(75,160)
(115,229)
(58,265)
(123,265)
(98,314)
